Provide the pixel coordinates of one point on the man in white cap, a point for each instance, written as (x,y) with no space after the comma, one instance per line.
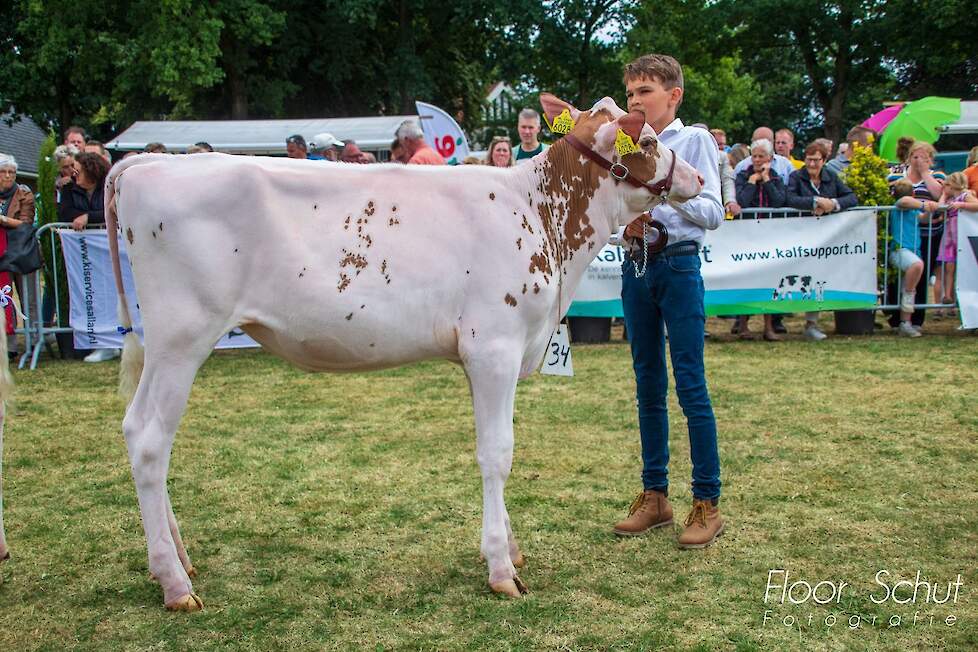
(327,146)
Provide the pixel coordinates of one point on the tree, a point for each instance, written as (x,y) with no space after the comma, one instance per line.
(933,47)
(717,91)
(56,62)
(837,44)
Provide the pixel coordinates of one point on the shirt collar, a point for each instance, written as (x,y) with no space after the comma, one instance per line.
(675,125)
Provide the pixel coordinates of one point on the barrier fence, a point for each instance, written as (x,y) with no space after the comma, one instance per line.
(43,309)
(891,278)
(41,329)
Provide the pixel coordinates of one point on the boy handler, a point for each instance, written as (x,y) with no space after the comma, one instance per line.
(671,294)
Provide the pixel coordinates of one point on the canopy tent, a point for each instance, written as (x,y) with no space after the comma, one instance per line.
(967,123)
(257,136)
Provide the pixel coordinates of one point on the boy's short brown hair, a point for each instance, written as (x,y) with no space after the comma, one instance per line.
(902,188)
(659,67)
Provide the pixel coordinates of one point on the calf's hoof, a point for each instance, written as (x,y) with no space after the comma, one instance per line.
(514,588)
(5,556)
(189,603)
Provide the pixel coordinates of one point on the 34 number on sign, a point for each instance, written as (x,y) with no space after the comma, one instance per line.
(557,359)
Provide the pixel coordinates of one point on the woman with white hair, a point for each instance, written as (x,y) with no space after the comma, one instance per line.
(760,187)
(64,158)
(757,185)
(16,208)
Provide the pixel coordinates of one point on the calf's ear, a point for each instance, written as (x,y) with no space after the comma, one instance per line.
(632,124)
(554,106)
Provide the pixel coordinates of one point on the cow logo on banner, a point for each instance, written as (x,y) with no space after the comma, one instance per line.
(442,133)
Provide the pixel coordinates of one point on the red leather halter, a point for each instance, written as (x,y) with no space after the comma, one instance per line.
(621,172)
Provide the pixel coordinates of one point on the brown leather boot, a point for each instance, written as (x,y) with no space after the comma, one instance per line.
(651,509)
(703,525)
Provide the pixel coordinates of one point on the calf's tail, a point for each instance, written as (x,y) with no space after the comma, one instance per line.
(131,367)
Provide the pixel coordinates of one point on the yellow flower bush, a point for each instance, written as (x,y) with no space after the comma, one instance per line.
(866,175)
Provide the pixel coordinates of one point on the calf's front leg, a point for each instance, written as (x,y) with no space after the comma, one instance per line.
(492,373)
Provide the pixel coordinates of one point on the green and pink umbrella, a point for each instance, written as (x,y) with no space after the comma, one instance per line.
(919,120)
(878,121)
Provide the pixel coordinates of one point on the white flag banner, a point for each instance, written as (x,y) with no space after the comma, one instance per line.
(442,133)
(792,264)
(966,283)
(92,293)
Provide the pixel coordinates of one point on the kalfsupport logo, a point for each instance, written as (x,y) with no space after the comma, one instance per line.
(828,603)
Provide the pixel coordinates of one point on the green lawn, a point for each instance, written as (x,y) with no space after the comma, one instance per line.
(343,512)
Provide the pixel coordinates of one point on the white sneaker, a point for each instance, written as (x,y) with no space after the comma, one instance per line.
(905,329)
(101,355)
(814,334)
(906,301)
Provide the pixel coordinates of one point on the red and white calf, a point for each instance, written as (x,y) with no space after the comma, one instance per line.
(319,262)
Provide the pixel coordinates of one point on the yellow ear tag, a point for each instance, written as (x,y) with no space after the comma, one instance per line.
(563,123)
(624,144)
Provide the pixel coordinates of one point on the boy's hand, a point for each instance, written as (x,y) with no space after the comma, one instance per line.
(634,228)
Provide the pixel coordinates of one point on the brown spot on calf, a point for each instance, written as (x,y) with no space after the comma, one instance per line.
(511,300)
(355,259)
(492,196)
(130,238)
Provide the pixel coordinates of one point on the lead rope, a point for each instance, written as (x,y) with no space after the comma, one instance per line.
(639,273)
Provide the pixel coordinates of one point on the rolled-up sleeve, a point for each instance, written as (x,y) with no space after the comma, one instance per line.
(704,210)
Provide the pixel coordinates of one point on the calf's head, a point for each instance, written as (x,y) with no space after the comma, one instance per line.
(598,129)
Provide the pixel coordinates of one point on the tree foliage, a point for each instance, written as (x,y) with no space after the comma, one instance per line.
(816,67)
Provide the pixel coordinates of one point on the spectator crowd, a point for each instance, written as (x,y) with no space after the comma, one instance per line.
(760,179)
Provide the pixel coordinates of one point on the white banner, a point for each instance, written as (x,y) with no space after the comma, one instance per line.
(792,264)
(92,293)
(966,283)
(443,133)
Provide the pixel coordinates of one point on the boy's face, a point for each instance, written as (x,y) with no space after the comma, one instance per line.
(650,96)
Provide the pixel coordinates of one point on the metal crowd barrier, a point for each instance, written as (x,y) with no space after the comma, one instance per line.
(37,334)
(891,277)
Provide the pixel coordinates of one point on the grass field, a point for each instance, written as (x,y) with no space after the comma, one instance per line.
(343,512)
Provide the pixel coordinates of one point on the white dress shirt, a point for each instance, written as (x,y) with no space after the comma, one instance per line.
(780,164)
(697,147)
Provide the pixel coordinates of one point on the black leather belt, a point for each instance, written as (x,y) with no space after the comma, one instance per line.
(685,248)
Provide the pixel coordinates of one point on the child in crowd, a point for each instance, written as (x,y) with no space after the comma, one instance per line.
(905,219)
(956,197)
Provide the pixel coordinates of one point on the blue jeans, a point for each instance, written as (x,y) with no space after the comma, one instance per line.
(671,292)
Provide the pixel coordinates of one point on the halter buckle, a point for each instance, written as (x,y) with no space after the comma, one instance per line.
(618,171)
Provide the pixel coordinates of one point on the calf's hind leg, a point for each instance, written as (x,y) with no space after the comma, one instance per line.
(150,425)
